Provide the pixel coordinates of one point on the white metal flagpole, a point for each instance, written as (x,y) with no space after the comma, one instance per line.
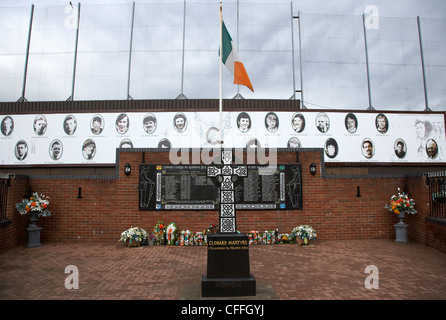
(220,128)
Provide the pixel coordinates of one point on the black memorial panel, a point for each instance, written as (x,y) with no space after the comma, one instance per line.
(186,187)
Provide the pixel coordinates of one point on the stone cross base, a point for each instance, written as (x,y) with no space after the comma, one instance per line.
(228,272)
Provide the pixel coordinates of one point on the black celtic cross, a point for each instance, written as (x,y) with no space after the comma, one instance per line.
(228,173)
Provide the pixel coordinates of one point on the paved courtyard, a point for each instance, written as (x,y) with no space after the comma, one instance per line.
(327,270)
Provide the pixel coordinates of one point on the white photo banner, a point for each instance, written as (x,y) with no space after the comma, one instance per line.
(92,138)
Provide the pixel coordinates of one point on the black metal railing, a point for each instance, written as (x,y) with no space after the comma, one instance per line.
(437,194)
(4,186)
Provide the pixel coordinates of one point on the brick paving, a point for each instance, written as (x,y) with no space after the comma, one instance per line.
(327,270)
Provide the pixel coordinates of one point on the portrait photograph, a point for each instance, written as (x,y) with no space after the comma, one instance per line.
(97,124)
(382,124)
(271,122)
(368,150)
(40,125)
(122,123)
(89,149)
(55,149)
(400,148)
(70,125)
(298,122)
(149,123)
(331,148)
(253,143)
(351,123)
(21,150)
(7,126)
(293,143)
(180,122)
(322,122)
(243,122)
(126,143)
(431,148)
(164,144)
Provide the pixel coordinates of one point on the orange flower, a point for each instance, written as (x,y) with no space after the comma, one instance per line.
(27,208)
(44,206)
(33,204)
(396,211)
(161,226)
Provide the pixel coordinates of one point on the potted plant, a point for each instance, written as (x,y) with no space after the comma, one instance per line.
(36,206)
(303,234)
(134,236)
(400,204)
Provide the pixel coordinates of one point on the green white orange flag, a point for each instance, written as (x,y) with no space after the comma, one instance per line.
(231,60)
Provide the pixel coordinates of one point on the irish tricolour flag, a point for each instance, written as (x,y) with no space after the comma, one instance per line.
(231,60)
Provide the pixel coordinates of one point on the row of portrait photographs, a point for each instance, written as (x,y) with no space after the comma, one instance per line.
(331,148)
(88,148)
(322,122)
(149,123)
(97,124)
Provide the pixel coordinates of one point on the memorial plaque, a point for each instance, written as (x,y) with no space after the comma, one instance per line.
(186,187)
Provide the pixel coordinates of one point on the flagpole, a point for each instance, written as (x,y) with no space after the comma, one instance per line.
(221,80)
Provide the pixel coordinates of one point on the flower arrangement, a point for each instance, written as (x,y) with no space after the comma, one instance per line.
(401,203)
(134,234)
(158,232)
(213,229)
(171,233)
(37,203)
(304,232)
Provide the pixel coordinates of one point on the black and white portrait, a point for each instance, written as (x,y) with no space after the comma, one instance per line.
(331,148)
(293,143)
(149,123)
(97,124)
(382,124)
(351,123)
(322,122)
(55,149)
(122,124)
(253,144)
(21,150)
(271,122)
(431,148)
(180,122)
(298,122)
(70,125)
(164,144)
(400,148)
(7,126)
(243,122)
(126,143)
(40,125)
(89,149)
(367,148)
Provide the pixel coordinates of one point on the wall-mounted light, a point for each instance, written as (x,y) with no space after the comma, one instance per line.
(127,169)
(358,191)
(313,168)
(79,193)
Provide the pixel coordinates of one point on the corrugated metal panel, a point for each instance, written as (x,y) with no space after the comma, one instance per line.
(144,105)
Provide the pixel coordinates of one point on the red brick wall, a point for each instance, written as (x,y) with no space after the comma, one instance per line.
(330,205)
